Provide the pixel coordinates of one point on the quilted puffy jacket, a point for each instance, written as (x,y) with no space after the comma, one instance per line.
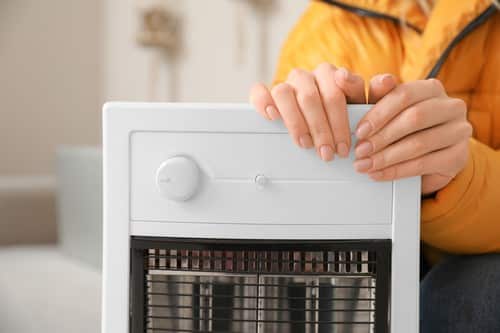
(458,43)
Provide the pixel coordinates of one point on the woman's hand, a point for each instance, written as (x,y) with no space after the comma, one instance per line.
(416,129)
(313,106)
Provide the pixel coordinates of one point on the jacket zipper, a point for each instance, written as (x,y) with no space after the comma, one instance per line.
(370,13)
(439,64)
(465,31)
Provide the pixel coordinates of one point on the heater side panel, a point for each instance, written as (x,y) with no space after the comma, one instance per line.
(405,280)
(116,225)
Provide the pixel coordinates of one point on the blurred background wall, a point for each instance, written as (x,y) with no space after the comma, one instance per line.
(60,60)
(221,47)
(50,80)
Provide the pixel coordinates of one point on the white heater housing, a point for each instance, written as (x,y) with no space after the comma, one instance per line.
(220,172)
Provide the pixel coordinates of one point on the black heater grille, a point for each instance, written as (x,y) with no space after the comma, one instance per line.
(243,286)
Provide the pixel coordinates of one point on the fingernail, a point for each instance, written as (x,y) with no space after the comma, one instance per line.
(363,130)
(272,112)
(376,175)
(305,141)
(364,149)
(344,73)
(326,153)
(363,165)
(385,79)
(342,149)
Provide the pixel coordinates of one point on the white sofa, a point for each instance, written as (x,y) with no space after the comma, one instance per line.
(44,288)
(44,291)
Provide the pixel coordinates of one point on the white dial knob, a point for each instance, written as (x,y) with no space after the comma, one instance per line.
(178,178)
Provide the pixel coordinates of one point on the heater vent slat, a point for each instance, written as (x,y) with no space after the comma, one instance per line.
(282,262)
(228,303)
(204,288)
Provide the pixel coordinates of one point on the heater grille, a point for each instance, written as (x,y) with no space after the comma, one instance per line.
(222,286)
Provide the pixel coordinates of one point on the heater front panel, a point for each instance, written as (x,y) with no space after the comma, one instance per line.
(251,178)
(346,247)
(208,286)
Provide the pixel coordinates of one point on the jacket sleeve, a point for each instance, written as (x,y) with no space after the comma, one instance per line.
(326,33)
(464,217)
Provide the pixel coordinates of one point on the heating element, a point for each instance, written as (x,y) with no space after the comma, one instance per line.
(216,222)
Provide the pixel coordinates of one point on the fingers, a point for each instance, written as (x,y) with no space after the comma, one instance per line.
(261,98)
(380,85)
(352,85)
(311,106)
(317,115)
(396,101)
(334,103)
(418,117)
(284,97)
(434,162)
(415,145)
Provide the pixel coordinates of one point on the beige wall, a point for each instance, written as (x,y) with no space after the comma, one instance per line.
(49,80)
(58,63)
(209,70)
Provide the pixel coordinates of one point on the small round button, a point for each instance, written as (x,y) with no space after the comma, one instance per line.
(261,181)
(178,178)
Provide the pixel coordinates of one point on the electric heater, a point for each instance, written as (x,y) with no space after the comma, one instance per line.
(214,221)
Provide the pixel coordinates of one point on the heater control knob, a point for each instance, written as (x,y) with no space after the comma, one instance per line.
(178,178)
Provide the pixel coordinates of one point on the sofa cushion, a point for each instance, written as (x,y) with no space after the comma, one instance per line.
(43,291)
(27,210)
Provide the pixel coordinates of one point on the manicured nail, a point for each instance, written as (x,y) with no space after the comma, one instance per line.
(272,112)
(363,130)
(363,165)
(385,79)
(326,153)
(377,175)
(364,149)
(306,141)
(344,72)
(342,149)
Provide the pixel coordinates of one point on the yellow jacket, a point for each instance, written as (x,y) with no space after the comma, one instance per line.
(459,43)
